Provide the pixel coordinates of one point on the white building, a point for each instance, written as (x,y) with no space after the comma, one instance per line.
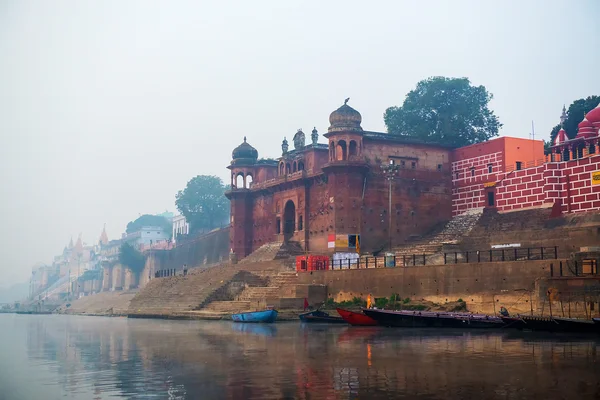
(180,227)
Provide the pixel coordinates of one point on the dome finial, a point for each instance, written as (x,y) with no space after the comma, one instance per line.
(244,139)
(346,101)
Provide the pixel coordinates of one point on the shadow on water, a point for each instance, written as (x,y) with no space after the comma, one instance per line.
(98,358)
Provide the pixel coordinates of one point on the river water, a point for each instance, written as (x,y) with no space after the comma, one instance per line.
(72,357)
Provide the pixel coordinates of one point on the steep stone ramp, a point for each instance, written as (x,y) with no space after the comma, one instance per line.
(451,233)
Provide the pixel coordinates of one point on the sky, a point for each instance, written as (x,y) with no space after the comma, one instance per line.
(108,108)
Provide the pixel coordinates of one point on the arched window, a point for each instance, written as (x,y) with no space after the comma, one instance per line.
(295,167)
(341,151)
(239,181)
(288,168)
(352,150)
(300,165)
(332,151)
(281,169)
(249,181)
(566,154)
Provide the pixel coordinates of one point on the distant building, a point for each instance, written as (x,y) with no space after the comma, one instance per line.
(146,236)
(180,227)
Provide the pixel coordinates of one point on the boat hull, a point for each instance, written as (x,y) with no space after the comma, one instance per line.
(320,317)
(552,324)
(266,316)
(402,319)
(355,318)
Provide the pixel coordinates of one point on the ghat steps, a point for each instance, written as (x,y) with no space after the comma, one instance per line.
(181,294)
(451,233)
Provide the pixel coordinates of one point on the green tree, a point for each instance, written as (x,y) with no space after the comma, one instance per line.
(447,111)
(149,220)
(203,202)
(575,114)
(131,258)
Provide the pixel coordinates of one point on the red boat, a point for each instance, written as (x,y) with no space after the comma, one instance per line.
(356,319)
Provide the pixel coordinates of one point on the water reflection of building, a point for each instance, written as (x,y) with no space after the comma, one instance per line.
(213,360)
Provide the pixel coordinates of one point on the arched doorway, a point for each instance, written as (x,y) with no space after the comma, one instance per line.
(289,220)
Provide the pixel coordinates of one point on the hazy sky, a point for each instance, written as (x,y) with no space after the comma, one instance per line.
(108,108)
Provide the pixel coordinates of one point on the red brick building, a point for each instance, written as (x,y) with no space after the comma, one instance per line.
(330,196)
(336,197)
(511,174)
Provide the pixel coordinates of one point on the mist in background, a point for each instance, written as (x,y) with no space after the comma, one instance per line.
(108,108)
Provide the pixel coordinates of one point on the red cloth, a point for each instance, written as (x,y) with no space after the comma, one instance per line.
(305,304)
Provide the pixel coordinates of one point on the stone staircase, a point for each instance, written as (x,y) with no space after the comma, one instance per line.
(451,233)
(227,307)
(275,286)
(266,252)
(284,252)
(181,294)
(259,293)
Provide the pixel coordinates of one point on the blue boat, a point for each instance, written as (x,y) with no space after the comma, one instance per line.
(266,316)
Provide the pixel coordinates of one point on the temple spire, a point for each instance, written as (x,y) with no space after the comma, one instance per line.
(563,116)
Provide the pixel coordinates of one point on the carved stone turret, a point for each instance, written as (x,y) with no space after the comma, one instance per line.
(299,140)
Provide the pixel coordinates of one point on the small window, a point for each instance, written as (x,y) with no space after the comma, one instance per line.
(278,225)
(489,168)
(392,162)
(413,165)
(519,165)
(439,167)
(472,171)
(300,224)
(403,163)
(456,175)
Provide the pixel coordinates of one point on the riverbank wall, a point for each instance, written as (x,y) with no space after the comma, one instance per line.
(484,287)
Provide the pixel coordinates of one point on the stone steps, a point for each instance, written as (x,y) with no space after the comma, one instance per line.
(452,233)
(266,252)
(228,307)
(185,293)
(259,293)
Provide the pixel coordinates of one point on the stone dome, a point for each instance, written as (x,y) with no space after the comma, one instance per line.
(345,118)
(594,115)
(244,152)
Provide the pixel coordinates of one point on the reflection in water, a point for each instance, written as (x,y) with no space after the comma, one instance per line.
(48,357)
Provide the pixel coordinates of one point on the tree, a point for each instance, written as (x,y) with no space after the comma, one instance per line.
(575,114)
(131,258)
(447,111)
(149,220)
(203,202)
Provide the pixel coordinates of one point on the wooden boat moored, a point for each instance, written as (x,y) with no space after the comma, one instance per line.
(320,316)
(355,318)
(266,316)
(552,324)
(425,319)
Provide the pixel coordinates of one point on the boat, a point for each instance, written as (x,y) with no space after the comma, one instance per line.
(266,316)
(552,324)
(425,319)
(356,318)
(320,316)
(34,312)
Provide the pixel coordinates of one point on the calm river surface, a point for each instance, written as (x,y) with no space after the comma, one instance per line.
(58,357)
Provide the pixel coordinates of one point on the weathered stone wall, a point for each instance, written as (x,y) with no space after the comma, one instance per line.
(484,287)
(535,228)
(209,249)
